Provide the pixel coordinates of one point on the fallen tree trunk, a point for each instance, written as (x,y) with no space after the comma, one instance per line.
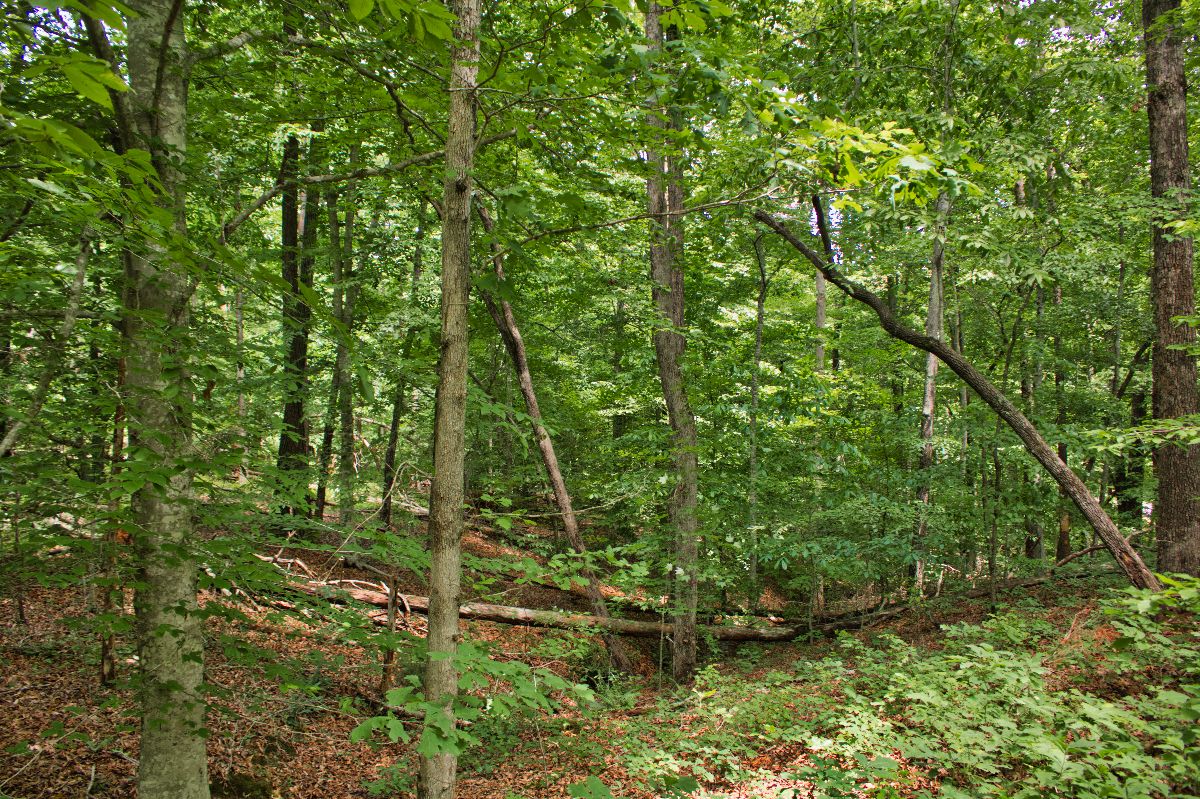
(530,617)
(1126,556)
(556,619)
(567,620)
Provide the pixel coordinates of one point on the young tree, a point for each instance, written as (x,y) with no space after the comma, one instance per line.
(438,771)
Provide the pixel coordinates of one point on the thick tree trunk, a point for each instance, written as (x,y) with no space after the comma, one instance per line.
(1127,558)
(506,323)
(664,191)
(172,762)
(1177,512)
(298,235)
(438,772)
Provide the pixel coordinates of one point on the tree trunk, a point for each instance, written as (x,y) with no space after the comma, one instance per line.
(1131,468)
(172,762)
(1127,558)
(664,191)
(1177,512)
(398,397)
(827,244)
(341,243)
(752,490)
(438,772)
(620,421)
(298,235)
(506,323)
(933,329)
(57,348)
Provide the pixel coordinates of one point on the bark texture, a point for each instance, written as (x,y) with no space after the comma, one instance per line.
(664,191)
(1174,393)
(173,762)
(437,775)
(1127,558)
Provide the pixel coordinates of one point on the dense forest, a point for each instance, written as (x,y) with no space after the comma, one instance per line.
(650,399)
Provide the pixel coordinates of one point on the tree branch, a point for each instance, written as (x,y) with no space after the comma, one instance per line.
(1127,558)
(57,347)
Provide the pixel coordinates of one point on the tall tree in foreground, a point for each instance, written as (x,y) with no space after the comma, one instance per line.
(450,411)
(664,191)
(173,762)
(1174,368)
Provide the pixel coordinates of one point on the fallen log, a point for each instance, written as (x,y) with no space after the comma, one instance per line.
(530,617)
(567,620)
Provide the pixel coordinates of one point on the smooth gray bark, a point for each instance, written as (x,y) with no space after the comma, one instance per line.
(172,762)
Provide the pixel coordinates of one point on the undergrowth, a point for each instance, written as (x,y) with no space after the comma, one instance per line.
(1014,707)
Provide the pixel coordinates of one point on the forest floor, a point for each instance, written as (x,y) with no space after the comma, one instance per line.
(280,723)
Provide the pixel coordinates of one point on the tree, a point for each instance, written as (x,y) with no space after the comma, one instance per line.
(664,190)
(438,770)
(1175,392)
(173,761)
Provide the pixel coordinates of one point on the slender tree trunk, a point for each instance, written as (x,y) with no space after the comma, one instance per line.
(398,396)
(110,590)
(620,421)
(752,491)
(665,201)
(341,242)
(510,333)
(827,244)
(1177,512)
(172,762)
(325,449)
(1127,558)
(1131,468)
(437,775)
(57,348)
(933,329)
(895,381)
(1063,546)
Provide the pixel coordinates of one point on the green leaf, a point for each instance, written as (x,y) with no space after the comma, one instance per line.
(360,9)
(86,85)
(591,788)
